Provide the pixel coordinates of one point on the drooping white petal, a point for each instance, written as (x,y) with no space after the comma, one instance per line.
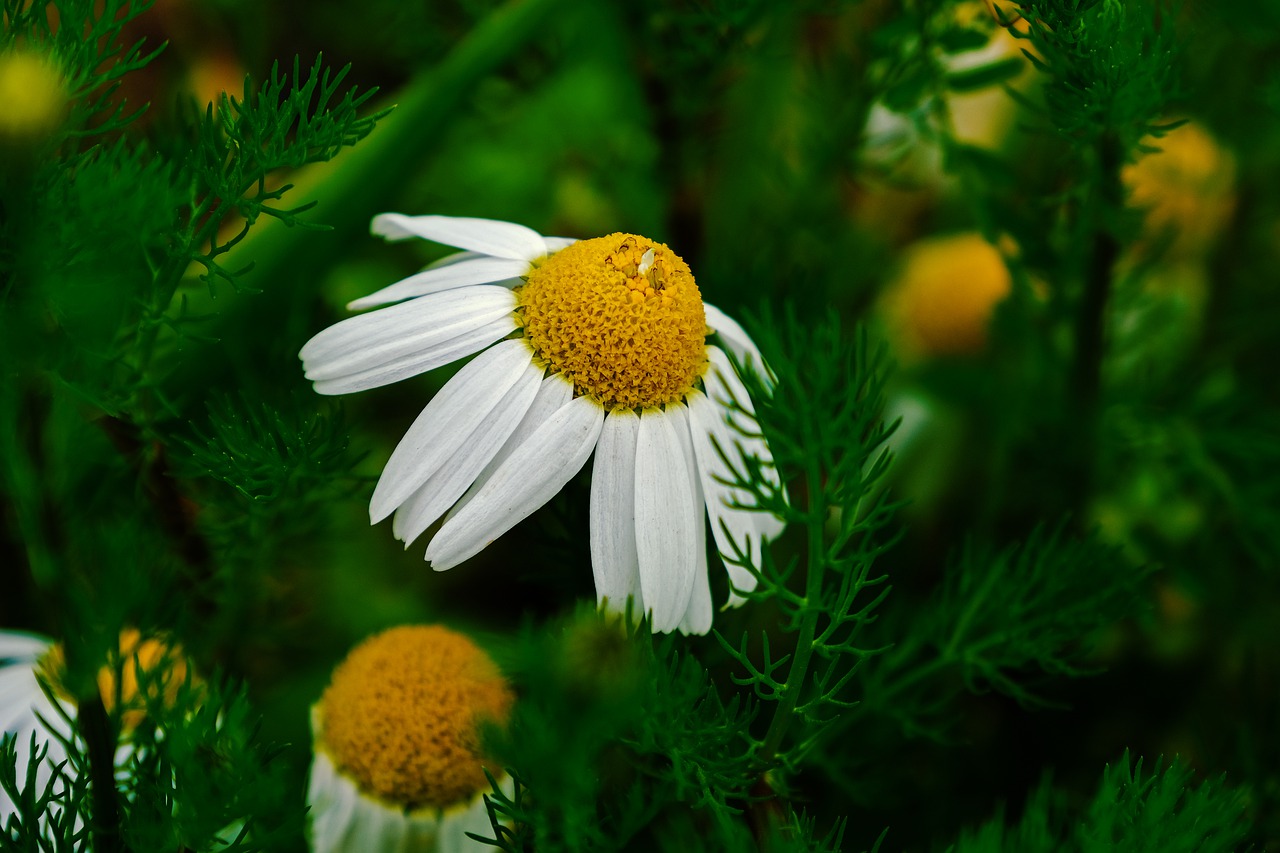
(734,530)
(15,645)
(450,351)
(481,270)
(614,559)
(665,514)
(487,236)
(443,488)
(554,392)
(697,618)
(537,469)
(380,337)
(725,386)
(447,422)
(738,341)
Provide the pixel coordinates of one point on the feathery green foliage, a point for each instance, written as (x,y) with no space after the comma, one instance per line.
(1157,811)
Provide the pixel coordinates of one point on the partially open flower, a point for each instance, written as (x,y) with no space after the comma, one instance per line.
(397,744)
(943,299)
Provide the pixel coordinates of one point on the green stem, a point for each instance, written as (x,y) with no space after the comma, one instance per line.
(798,673)
(95,728)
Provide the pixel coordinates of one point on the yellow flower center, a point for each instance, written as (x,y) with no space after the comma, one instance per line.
(157,664)
(401,715)
(621,317)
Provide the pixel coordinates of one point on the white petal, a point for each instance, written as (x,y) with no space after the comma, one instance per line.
(614,559)
(457,822)
(15,645)
(665,515)
(697,619)
(723,384)
(555,244)
(456,475)
(487,236)
(734,530)
(554,392)
(332,802)
(739,342)
(447,422)
(380,337)
(482,270)
(468,343)
(19,691)
(530,476)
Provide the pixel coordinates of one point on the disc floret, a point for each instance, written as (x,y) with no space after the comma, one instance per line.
(621,317)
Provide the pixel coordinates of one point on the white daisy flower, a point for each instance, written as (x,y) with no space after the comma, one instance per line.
(588,345)
(26,710)
(396,745)
(29,664)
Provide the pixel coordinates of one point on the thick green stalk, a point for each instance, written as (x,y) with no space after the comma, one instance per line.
(95,728)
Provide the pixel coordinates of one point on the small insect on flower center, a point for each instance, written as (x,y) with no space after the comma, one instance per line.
(402,716)
(621,317)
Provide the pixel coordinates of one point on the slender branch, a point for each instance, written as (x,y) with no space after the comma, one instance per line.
(799,670)
(1091,322)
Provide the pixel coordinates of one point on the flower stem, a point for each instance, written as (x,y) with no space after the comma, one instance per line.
(95,728)
(798,673)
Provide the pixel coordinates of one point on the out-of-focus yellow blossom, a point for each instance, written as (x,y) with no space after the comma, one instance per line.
(942,300)
(33,97)
(150,660)
(397,744)
(1187,190)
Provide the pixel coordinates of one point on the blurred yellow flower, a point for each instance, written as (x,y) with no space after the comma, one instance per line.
(1187,190)
(153,661)
(33,97)
(943,298)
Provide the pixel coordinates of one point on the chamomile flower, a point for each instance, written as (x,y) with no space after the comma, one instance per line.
(585,345)
(396,735)
(31,672)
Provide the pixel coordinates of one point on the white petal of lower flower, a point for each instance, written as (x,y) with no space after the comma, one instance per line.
(739,342)
(15,645)
(369,340)
(665,517)
(447,422)
(734,529)
(697,618)
(481,270)
(614,558)
(533,473)
(488,236)
(554,393)
(468,343)
(456,475)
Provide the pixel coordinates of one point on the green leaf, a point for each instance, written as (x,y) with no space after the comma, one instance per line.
(985,76)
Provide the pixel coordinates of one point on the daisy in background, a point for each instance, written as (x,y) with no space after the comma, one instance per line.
(31,675)
(585,345)
(397,764)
